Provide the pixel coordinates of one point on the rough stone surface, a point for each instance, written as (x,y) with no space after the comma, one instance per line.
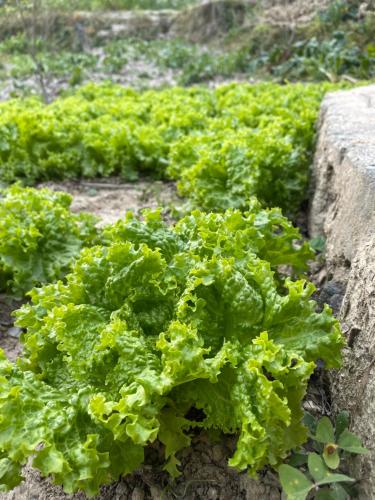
(343,205)
(289,13)
(354,385)
(343,210)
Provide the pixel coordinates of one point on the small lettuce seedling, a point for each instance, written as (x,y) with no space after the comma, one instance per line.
(331,444)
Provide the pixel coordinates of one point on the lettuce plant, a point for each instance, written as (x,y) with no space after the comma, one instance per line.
(39,237)
(153,322)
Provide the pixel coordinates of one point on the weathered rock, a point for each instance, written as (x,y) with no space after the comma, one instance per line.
(354,385)
(343,204)
(343,210)
(289,13)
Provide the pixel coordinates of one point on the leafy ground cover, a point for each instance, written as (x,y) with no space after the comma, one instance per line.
(189,63)
(152,323)
(222,145)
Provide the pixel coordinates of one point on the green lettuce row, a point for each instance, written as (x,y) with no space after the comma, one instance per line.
(155,321)
(222,145)
(39,237)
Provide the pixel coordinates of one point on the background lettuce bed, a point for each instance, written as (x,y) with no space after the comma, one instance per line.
(151,323)
(222,145)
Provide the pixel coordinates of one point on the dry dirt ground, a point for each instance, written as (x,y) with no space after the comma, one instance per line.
(9,335)
(109,198)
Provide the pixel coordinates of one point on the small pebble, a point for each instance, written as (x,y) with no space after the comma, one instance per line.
(217,453)
(156,493)
(138,494)
(322,276)
(14,332)
(206,458)
(212,493)
(122,492)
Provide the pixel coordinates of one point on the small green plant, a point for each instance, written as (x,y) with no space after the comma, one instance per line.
(322,480)
(318,244)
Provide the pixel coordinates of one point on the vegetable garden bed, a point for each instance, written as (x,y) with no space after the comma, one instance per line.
(161,331)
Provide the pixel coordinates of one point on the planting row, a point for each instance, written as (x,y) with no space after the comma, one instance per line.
(222,145)
(40,237)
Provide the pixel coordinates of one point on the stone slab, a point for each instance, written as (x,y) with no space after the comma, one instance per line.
(343,211)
